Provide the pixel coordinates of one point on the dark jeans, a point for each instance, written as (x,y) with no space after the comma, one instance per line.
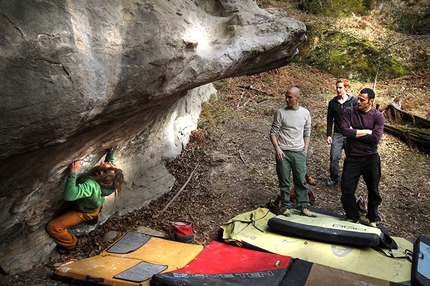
(337,144)
(370,168)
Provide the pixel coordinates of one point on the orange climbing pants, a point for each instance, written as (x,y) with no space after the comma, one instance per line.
(57,228)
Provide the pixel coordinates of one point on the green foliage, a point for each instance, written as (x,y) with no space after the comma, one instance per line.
(336,8)
(345,55)
(202,123)
(319,129)
(224,193)
(214,113)
(207,118)
(414,22)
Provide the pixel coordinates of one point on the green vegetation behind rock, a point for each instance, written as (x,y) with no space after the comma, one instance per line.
(336,8)
(345,55)
(413,22)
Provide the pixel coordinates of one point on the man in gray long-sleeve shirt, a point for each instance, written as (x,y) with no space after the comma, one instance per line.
(290,136)
(363,127)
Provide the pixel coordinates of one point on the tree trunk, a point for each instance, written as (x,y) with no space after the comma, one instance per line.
(413,129)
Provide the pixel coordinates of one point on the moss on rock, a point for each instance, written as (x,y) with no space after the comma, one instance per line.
(336,8)
(348,56)
(413,22)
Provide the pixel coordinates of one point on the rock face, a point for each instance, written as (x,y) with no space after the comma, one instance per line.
(77,77)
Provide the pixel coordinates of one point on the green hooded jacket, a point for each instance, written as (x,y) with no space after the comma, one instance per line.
(89,195)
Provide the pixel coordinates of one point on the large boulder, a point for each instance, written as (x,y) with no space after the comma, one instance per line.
(77,77)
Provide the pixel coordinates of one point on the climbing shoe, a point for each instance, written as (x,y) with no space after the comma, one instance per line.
(94,221)
(353,220)
(306,212)
(286,212)
(372,224)
(61,250)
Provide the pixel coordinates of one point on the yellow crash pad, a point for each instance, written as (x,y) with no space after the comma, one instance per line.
(251,230)
(132,260)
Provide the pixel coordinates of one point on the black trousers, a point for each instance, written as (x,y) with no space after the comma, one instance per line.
(370,168)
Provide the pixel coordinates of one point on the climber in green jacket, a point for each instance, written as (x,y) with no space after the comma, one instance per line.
(88,196)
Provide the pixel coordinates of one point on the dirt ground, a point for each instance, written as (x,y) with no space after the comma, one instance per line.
(234,168)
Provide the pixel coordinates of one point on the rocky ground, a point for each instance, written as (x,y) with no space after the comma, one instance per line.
(234,169)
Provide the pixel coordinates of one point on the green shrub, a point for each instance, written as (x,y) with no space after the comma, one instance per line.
(336,8)
(348,56)
(415,23)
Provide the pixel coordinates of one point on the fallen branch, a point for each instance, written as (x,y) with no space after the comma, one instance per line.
(407,188)
(241,158)
(246,103)
(180,191)
(240,99)
(250,87)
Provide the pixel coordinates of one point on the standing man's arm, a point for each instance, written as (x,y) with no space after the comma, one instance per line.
(274,131)
(378,129)
(307,140)
(278,150)
(329,125)
(363,132)
(347,127)
(307,132)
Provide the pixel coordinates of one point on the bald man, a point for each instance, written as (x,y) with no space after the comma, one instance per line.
(290,136)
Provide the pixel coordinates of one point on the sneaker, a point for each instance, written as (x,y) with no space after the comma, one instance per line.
(372,224)
(306,212)
(353,220)
(331,183)
(286,212)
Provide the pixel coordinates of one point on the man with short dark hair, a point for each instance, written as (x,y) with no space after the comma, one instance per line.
(363,127)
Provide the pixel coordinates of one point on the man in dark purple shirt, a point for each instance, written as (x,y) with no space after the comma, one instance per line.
(363,127)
